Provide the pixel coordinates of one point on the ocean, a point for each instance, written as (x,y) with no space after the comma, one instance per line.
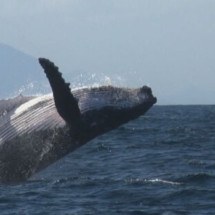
(161,163)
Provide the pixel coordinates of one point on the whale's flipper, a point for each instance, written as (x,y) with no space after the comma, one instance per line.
(65,102)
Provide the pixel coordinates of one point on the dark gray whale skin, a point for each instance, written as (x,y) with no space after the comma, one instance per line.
(37,131)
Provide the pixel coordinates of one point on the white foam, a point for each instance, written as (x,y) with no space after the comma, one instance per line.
(157,180)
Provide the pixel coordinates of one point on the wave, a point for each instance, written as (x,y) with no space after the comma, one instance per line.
(196,178)
(151,181)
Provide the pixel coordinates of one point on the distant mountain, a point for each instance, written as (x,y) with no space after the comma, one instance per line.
(19,72)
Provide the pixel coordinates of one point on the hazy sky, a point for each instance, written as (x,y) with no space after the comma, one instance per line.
(167,44)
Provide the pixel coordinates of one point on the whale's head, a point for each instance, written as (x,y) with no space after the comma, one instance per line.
(106,108)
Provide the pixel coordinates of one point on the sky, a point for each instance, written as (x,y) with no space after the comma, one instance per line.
(165,44)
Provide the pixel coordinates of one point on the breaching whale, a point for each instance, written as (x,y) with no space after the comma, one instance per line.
(36,131)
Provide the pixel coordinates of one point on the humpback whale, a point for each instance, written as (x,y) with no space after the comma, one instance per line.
(36,131)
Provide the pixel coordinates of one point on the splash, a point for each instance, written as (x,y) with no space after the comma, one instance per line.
(95,80)
(80,80)
(32,88)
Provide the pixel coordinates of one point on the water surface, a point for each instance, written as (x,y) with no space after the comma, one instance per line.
(162,163)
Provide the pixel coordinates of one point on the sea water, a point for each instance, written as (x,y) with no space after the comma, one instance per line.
(162,163)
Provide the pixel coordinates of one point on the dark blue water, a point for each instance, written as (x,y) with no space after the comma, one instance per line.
(162,163)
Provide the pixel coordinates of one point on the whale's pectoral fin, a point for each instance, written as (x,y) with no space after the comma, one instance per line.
(65,102)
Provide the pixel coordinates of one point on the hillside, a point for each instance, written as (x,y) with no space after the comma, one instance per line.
(20,73)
